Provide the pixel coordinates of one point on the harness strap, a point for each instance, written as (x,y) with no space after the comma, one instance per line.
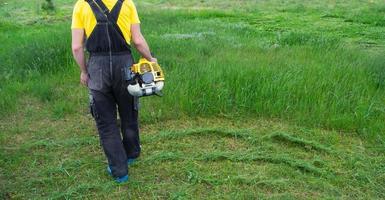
(115,11)
(101,11)
(100,17)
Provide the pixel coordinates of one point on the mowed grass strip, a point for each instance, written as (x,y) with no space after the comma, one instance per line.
(64,160)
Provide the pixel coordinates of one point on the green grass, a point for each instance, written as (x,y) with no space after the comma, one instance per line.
(190,159)
(269,99)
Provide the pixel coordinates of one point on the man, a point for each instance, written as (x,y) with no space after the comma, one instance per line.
(109,27)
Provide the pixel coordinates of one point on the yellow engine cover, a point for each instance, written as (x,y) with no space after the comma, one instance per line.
(146,66)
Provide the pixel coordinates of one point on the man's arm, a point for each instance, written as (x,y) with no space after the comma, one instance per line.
(140,43)
(78,52)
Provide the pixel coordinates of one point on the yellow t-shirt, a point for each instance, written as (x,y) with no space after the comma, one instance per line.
(83,17)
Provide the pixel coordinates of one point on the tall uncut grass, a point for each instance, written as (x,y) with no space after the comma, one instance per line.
(312,78)
(27,57)
(218,64)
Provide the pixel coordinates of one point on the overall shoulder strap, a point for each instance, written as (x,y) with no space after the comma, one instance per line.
(101,9)
(102,6)
(100,17)
(115,12)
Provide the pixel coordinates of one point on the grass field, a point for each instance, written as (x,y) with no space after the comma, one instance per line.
(263,99)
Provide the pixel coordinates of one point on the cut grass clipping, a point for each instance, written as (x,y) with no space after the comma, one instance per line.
(299,142)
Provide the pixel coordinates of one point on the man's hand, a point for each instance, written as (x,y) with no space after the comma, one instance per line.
(84,79)
(154,60)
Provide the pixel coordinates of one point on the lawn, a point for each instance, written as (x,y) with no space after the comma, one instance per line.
(263,99)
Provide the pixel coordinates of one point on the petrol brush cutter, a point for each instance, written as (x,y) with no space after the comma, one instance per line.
(146,79)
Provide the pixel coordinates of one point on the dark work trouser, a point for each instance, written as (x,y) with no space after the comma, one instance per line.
(108,90)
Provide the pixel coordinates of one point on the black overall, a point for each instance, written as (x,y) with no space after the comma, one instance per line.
(110,56)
